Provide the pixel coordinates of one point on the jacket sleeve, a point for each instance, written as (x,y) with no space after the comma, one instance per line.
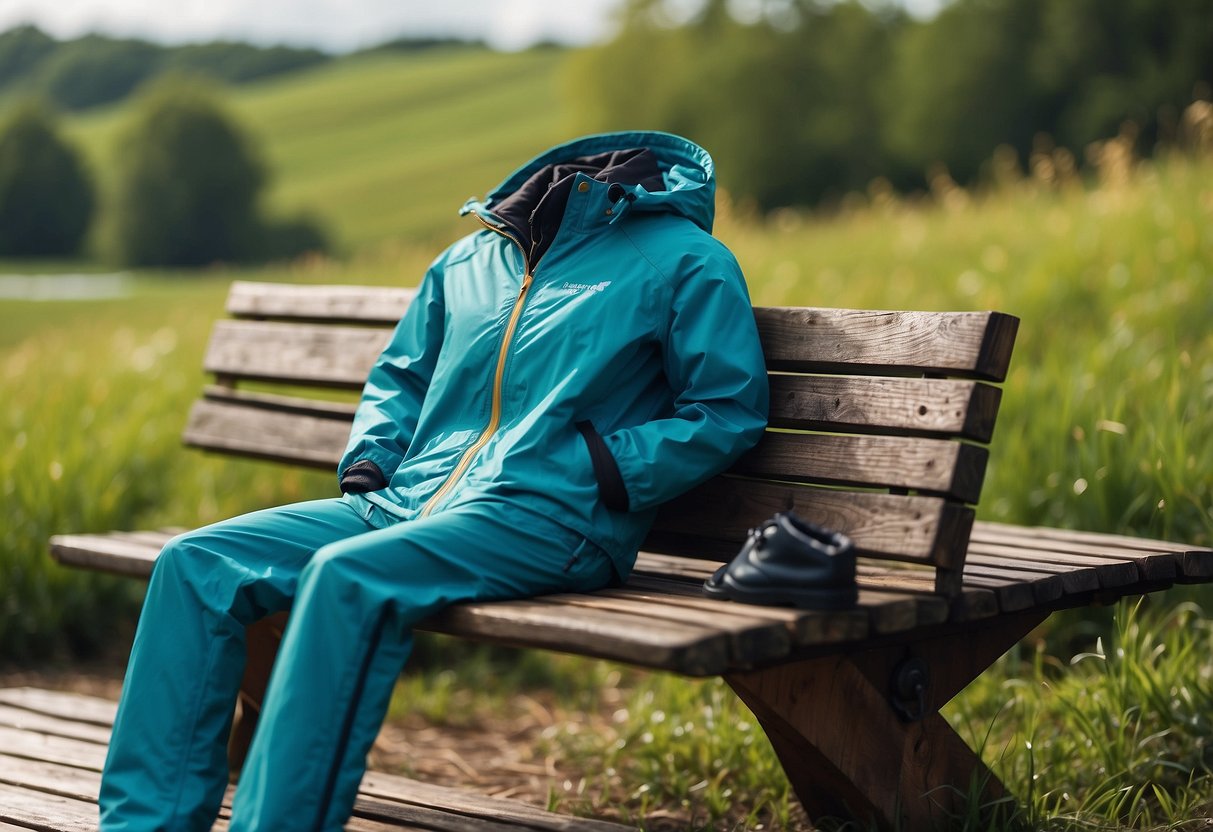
(390,406)
(713,361)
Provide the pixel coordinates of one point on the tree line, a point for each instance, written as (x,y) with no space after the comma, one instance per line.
(187,185)
(95,69)
(805,100)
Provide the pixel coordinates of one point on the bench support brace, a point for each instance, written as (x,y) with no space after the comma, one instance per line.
(842,744)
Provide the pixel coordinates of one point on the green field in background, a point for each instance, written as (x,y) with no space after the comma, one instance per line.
(383,148)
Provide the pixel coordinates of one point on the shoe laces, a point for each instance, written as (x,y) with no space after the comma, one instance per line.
(757,535)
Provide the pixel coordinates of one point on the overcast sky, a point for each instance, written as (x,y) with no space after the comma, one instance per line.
(334,25)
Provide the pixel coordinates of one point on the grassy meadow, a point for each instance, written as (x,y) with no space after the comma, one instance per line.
(1107,424)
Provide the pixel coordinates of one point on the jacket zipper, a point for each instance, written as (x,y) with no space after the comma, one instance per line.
(503,353)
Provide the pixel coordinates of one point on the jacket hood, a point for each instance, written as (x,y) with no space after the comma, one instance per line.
(687,174)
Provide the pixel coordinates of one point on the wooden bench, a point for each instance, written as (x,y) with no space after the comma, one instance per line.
(878,426)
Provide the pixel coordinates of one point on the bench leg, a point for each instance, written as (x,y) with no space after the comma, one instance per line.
(262,640)
(846,751)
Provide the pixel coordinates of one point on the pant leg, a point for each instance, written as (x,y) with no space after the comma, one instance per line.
(350,634)
(166,768)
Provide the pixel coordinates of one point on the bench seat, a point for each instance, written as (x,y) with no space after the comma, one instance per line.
(660,620)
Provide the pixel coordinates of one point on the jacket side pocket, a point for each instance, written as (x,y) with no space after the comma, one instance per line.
(611,490)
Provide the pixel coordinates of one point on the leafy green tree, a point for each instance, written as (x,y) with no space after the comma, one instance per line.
(786,102)
(46,196)
(187,183)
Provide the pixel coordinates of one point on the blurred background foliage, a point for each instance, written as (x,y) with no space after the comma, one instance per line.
(803,100)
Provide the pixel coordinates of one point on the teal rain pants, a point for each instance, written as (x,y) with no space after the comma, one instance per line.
(356,581)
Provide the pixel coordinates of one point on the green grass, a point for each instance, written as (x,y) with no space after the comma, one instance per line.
(384,148)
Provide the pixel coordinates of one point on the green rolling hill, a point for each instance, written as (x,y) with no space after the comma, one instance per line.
(384,148)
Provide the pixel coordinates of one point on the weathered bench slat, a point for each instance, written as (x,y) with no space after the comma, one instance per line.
(343,410)
(367,304)
(892,406)
(314,441)
(750,637)
(37,810)
(928,465)
(105,554)
(1075,579)
(1110,572)
(67,752)
(401,790)
(1012,595)
(713,519)
(803,628)
(969,344)
(1046,587)
(971,603)
(1156,561)
(961,343)
(695,651)
(53,726)
(903,343)
(915,406)
(52,778)
(79,707)
(320,355)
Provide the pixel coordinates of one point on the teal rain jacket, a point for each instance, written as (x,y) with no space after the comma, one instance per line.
(616,372)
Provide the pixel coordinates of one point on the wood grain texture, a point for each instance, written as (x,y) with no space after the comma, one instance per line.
(367,304)
(319,354)
(315,441)
(281,403)
(713,519)
(104,554)
(894,406)
(966,344)
(52,726)
(1151,556)
(91,710)
(934,466)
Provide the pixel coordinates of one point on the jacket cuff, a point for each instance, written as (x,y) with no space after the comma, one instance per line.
(361,477)
(611,487)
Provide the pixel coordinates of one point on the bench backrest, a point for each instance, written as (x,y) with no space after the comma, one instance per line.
(877,424)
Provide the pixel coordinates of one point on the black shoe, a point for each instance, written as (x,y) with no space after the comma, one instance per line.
(787,560)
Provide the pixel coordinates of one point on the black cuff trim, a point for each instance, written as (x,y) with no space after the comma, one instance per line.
(361,477)
(611,489)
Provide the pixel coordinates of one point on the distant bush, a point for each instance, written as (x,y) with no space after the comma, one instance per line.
(46,196)
(187,183)
(188,180)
